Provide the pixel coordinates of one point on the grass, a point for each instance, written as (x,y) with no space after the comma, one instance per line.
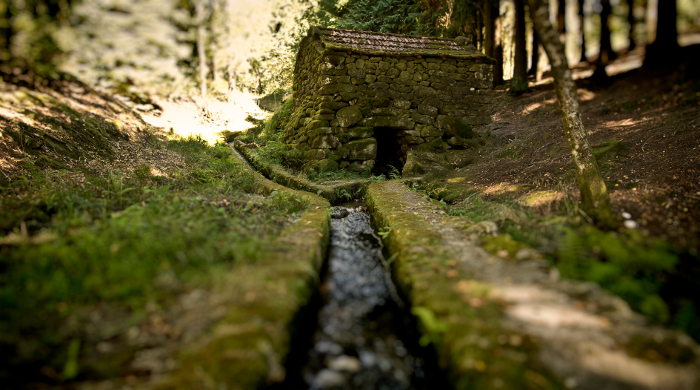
(637,268)
(122,241)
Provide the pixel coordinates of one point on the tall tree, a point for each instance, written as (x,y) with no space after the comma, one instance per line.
(490,14)
(665,46)
(200,18)
(631,21)
(519,81)
(498,50)
(582,20)
(606,53)
(535,54)
(594,195)
(561,20)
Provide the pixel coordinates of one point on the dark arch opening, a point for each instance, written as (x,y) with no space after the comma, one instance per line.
(388,150)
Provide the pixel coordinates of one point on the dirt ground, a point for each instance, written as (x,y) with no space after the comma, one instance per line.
(655,113)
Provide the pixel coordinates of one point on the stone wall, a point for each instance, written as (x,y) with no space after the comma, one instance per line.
(341,100)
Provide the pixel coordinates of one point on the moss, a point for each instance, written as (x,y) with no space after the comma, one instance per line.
(609,150)
(503,242)
(455,313)
(665,350)
(248,347)
(46,161)
(436,146)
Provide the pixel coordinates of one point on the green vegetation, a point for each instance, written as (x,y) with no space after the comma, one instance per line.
(625,262)
(123,241)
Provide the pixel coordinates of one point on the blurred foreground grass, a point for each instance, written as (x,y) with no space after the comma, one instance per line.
(122,241)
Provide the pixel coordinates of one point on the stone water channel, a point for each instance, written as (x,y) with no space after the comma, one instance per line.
(364,338)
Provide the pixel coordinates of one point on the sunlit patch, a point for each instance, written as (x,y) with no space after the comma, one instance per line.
(186,119)
(541,198)
(532,107)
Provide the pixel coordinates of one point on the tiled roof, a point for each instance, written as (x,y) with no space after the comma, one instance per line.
(367,42)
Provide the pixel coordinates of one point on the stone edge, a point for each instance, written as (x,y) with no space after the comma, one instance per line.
(278,175)
(261,331)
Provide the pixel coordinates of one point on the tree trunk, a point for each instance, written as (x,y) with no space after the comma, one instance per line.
(665,47)
(519,82)
(498,42)
(594,194)
(489,29)
(606,53)
(632,23)
(6,33)
(535,55)
(561,20)
(582,18)
(201,52)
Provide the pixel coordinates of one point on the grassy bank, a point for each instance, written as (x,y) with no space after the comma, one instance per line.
(89,255)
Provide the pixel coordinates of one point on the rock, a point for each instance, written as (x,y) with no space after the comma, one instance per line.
(413,167)
(428,110)
(527,254)
(402,104)
(315,124)
(430,131)
(389,121)
(344,362)
(338,214)
(361,166)
(483,228)
(328,378)
(455,127)
(325,142)
(435,146)
(332,89)
(364,149)
(348,116)
(361,132)
(422,91)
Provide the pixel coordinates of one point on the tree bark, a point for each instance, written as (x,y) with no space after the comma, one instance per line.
(201,52)
(489,29)
(632,23)
(6,33)
(594,195)
(665,47)
(606,52)
(498,42)
(519,82)
(582,18)
(535,55)
(561,20)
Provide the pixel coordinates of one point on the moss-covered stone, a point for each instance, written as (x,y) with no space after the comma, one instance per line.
(348,116)
(436,146)
(455,127)
(365,149)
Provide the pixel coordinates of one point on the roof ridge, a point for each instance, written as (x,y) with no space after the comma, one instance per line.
(391,44)
(381,33)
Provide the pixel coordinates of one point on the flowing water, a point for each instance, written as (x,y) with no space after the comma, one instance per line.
(363,338)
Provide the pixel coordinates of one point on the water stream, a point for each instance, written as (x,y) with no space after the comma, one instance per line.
(363,339)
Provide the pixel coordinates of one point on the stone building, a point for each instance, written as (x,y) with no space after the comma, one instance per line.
(363,99)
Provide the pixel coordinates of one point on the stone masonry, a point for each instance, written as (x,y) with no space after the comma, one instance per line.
(354,88)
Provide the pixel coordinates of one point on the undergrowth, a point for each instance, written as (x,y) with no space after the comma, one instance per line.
(122,240)
(637,268)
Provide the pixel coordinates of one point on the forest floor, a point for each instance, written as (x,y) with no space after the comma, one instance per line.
(87,185)
(644,126)
(115,237)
